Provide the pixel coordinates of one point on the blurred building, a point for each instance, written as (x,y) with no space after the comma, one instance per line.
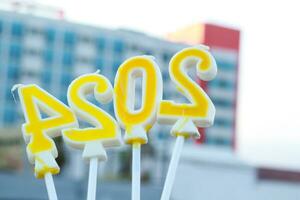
(224,44)
(52,53)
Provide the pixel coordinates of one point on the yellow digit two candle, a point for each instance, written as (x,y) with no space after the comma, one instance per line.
(201,110)
(106,132)
(38,130)
(137,122)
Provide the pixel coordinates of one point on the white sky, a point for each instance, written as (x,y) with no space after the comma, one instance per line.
(269,126)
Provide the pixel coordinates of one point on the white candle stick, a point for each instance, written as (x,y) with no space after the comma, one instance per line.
(50,186)
(92,184)
(172,168)
(136,171)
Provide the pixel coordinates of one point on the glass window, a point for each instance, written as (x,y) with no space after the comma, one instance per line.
(69,38)
(224,84)
(223,122)
(17,29)
(225,65)
(68,59)
(116,64)
(111,109)
(8,94)
(50,35)
(66,79)
(217,141)
(165,75)
(100,43)
(15,51)
(166,57)
(46,76)
(13,72)
(63,98)
(118,46)
(1,26)
(10,115)
(99,63)
(222,102)
(48,56)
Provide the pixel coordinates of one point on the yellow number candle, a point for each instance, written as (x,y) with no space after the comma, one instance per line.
(38,131)
(200,111)
(106,131)
(137,122)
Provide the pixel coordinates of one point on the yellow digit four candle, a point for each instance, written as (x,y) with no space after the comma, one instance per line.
(38,131)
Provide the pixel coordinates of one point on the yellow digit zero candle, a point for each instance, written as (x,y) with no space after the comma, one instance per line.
(38,131)
(106,131)
(137,122)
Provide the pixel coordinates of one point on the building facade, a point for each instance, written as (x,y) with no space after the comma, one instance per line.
(51,53)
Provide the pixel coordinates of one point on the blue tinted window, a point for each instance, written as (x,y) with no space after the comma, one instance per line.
(15,51)
(8,94)
(66,79)
(166,57)
(10,115)
(148,52)
(111,109)
(64,98)
(222,102)
(223,122)
(17,29)
(100,43)
(166,93)
(99,63)
(225,84)
(50,35)
(165,75)
(116,65)
(225,65)
(118,46)
(68,59)
(217,141)
(1,26)
(48,56)
(46,77)
(69,38)
(13,71)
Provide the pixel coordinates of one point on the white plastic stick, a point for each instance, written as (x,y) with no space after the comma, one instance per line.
(136,171)
(166,193)
(50,186)
(92,184)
